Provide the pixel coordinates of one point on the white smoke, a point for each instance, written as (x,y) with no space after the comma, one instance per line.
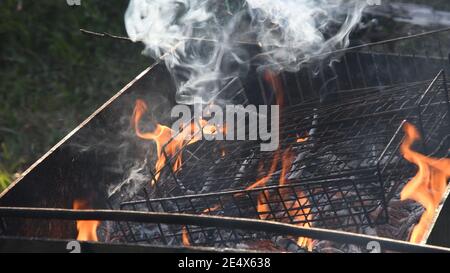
(291,32)
(214,44)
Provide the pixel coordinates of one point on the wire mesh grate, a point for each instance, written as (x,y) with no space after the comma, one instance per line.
(341,174)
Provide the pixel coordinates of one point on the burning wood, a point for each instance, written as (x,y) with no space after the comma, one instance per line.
(428,186)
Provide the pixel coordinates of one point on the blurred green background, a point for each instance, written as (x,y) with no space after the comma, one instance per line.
(52,76)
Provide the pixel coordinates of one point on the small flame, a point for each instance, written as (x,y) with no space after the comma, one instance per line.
(87,230)
(185,233)
(185,237)
(262,181)
(211,209)
(161,135)
(302,139)
(301,209)
(298,209)
(428,186)
(263,199)
(263,205)
(164,135)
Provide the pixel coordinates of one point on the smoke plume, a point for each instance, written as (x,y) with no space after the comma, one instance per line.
(217,40)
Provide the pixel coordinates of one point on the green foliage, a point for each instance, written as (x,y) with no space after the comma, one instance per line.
(4,180)
(52,76)
(7,166)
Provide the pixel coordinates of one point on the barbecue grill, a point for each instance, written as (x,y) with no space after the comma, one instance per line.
(341,125)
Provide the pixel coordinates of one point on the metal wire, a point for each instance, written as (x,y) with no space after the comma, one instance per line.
(345,173)
(345,170)
(211,221)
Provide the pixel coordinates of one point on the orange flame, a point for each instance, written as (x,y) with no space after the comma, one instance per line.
(185,237)
(301,211)
(184,232)
(163,135)
(263,205)
(263,202)
(263,199)
(298,209)
(87,230)
(428,186)
(211,209)
(302,139)
(160,136)
(273,167)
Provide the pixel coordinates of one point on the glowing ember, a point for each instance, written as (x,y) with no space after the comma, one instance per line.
(428,186)
(87,230)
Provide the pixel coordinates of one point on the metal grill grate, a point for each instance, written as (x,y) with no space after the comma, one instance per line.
(342,175)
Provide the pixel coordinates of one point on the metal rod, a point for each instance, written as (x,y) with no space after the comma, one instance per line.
(123,38)
(305,182)
(446,95)
(91,117)
(419,110)
(150,208)
(256,43)
(104,34)
(215,221)
(391,142)
(34,245)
